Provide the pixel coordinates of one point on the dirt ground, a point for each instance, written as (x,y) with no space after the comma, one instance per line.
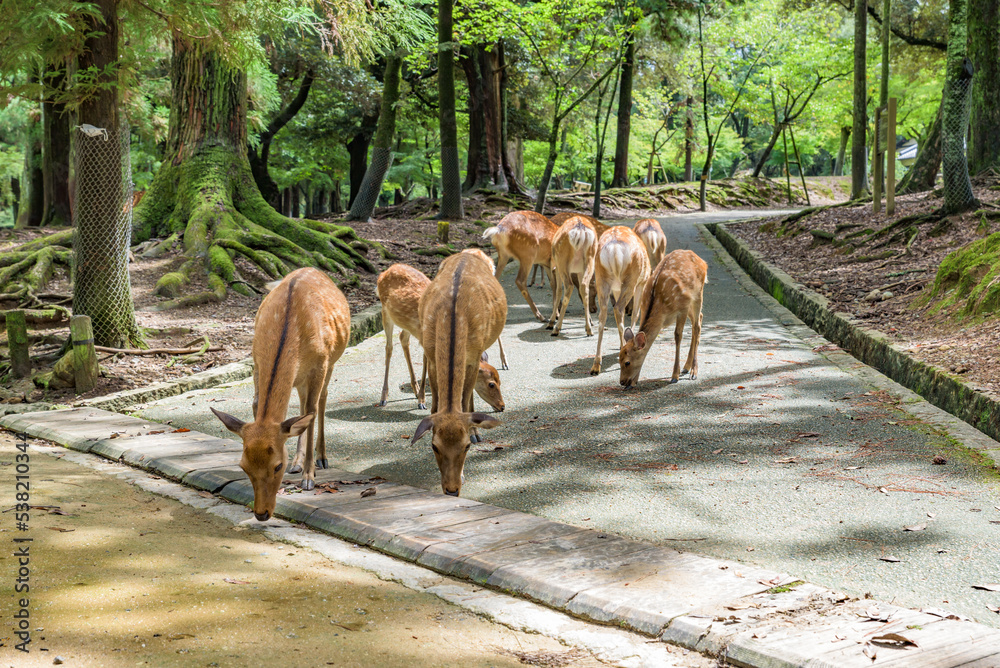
(164,584)
(403,230)
(968,348)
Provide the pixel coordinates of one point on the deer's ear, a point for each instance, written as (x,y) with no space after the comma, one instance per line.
(296,425)
(232,424)
(628,334)
(640,340)
(483,421)
(484,357)
(422,429)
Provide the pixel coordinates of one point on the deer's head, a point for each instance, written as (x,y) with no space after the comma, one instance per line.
(631,357)
(264,456)
(450,441)
(488,384)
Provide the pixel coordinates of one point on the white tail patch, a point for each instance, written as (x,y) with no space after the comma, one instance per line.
(490,232)
(581,236)
(613,257)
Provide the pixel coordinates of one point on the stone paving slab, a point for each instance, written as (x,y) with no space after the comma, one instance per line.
(78,428)
(407,538)
(150,451)
(213,479)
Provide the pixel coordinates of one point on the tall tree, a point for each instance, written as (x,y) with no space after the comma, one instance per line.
(55,148)
(101,289)
(620,177)
(859,174)
(924,171)
(451,181)
(984,51)
(958,194)
(371,187)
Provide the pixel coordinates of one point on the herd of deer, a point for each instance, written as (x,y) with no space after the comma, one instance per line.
(303,324)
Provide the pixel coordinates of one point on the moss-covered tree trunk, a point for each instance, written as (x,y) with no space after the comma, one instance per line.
(958,194)
(371,187)
(984,51)
(859,172)
(205,192)
(451,180)
(33,189)
(101,287)
(55,152)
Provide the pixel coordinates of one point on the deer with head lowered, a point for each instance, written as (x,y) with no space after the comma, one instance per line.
(301,330)
(574,247)
(672,294)
(622,269)
(524,236)
(399,289)
(462,313)
(653,239)
(599,227)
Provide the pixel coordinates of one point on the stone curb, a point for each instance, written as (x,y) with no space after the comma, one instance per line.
(742,614)
(363,324)
(968,403)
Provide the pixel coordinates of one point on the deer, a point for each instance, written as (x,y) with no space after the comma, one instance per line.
(525,236)
(399,290)
(622,269)
(574,247)
(558,220)
(462,313)
(653,239)
(672,294)
(301,330)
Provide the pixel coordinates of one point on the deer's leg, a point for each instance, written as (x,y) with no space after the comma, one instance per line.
(678,332)
(502,260)
(503,356)
(421,404)
(534,272)
(300,443)
(520,282)
(321,461)
(603,290)
(468,399)
(593,294)
(583,287)
(432,377)
(557,286)
(387,325)
(619,310)
(566,290)
(404,342)
(692,360)
(636,297)
(308,400)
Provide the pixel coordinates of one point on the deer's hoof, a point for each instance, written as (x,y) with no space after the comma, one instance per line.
(694,376)
(595,371)
(504,367)
(382,403)
(322,463)
(422,407)
(294,468)
(674,380)
(555,333)
(308,484)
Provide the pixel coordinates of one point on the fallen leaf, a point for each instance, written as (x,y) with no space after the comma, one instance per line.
(874,614)
(115,435)
(889,558)
(179,636)
(715,452)
(993,609)
(182,430)
(916,527)
(894,640)
(939,460)
(808,434)
(533,419)
(233,581)
(740,387)
(370,491)
(869,651)
(987,587)
(786,460)
(60,529)
(535,452)
(853,468)
(743,461)
(932,515)
(207,495)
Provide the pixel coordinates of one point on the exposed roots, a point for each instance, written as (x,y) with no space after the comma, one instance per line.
(26,269)
(212,203)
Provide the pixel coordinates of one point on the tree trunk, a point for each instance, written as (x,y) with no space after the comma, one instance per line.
(543,187)
(859,176)
(923,174)
(336,199)
(984,51)
(689,139)
(492,67)
(477,170)
(620,178)
(775,133)
(206,192)
(296,200)
(101,286)
(451,181)
(55,153)
(357,150)
(258,161)
(33,192)
(845,136)
(958,194)
(371,187)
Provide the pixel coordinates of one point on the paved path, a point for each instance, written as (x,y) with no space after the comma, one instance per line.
(775,456)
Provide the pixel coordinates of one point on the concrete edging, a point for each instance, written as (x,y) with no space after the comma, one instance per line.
(967,402)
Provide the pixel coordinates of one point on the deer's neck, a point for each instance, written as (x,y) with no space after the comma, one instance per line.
(452,345)
(277,358)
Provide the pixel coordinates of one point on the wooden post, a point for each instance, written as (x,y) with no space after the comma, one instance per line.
(17,340)
(798,162)
(443,231)
(890,159)
(85,367)
(877,164)
(788,171)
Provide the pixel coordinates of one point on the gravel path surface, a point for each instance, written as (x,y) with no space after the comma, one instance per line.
(774,456)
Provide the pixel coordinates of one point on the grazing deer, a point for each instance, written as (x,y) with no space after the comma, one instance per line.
(399,289)
(622,269)
(672,294)
(525,236)
(461,313)
(301,330)
(573,249)
(653,239)
(558,220)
